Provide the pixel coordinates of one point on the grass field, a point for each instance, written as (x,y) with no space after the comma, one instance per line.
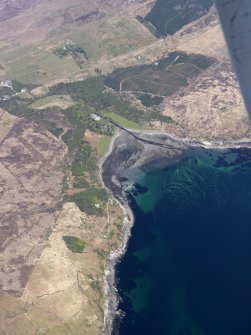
(104,144)
(74,244)
(148,100)
(61,101)
(123,122)
(38,64)
(112,36)
(24,95)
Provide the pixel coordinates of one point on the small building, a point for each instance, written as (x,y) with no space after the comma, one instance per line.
(6,83)
(69,42)
(95,117)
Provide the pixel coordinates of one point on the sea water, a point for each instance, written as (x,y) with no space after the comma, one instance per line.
(187,269)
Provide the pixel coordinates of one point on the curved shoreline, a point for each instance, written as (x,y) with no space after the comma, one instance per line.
(111,292)
(111,295)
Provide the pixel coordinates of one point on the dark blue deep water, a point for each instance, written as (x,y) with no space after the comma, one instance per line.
(187,270)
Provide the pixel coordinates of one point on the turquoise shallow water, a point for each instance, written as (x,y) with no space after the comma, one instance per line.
(187,270)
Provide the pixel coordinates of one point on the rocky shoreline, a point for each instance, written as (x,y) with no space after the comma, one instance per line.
(130,152)
(112,298)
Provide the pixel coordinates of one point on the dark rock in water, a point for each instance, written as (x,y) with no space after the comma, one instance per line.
(222,162)
(243,154)
(140,189)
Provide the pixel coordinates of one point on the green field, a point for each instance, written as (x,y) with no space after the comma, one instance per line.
(74,244)
(44,62)
(104,144)
(91,201)
(111,36)
(63,101)
(37,66)
(123,122)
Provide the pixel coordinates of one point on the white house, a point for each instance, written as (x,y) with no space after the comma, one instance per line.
(95,117)
(6,83)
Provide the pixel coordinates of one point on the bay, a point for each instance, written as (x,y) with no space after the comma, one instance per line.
(187,269)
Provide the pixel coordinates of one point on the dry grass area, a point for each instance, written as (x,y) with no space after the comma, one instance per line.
(6,122)
(45,288)
(64,294)
(32,20)
(211,107)
(208,41)
(40,91)
(32,30)
(60,101)
(31,165)
(93,139)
